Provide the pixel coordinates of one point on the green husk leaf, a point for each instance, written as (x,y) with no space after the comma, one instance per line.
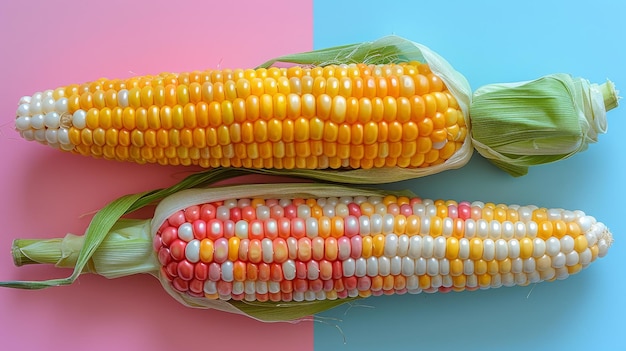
(524,124)
(105,220)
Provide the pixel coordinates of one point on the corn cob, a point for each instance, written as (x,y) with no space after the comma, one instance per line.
(337,116)
(226,247)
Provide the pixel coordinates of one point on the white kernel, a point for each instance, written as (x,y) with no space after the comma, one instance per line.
(210,287)
(585,257)
(439,247)
(262,212)
(463,248)
(52,120)
(562,273)
(482,228)
(529,265)
(420,266)
(448,227)
(427,246)
(520,230)
(35,107)
(40,135)
(364,225)
(419,210)
(559,260)
(37,96)
(372,266)
(553,246)
(360,267)
(380,208)
(267,248)
(412,283)
(341,210)
(60,106)
(395,265)
(349,267)
(312,270)
(432,266)
(514,248)
(298,296)
(63,136)
(376,224)
(431,210)
(502,249)
(567,244)
(403,245)
(185,232)
(531,229)
(471,281)
(388,223)
(311,227)
(489,249)
(25,100)
(496,228)
(517,265)
(241,229)
(508,279)
(554,214)
(289,269)
(425,225)
(28,135)
(539,247)
(384,266)
(79,119)
(37,121)
(231,203)
(470,228)
(572,258)
(238,288)
(568,215)
(415,247)
(444,267)
(391,245)
(227,271)
(521,279)
(47,104)
(603,247)
(303,211)
(496,280)
(273,287)
(408,266)
(508,230)
(23,110)
(468,267)
(321,295)
(22,123)
(51,136)
(192,251)
(585,223)
(525,213)
(436,281)
(261,287)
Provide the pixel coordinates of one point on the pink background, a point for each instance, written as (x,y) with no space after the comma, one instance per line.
(46,193)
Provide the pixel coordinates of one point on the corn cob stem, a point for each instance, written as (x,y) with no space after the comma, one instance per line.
(126,250)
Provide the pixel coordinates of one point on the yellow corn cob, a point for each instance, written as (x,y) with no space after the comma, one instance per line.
(337,116)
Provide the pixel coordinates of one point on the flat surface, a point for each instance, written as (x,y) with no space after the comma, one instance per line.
(489,42)
(46,193)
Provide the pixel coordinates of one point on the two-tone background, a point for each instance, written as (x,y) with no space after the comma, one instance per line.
(45,193)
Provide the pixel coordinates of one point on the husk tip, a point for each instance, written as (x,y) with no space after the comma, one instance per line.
(610,95)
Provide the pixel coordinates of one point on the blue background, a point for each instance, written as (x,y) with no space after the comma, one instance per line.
(490,42)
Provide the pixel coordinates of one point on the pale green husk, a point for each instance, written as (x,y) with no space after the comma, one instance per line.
(545,120)
(114,247)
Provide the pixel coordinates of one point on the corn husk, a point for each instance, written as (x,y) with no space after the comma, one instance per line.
(514,125)
(541,121)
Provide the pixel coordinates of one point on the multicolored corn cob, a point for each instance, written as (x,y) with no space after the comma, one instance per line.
(337,116)
(305,249)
